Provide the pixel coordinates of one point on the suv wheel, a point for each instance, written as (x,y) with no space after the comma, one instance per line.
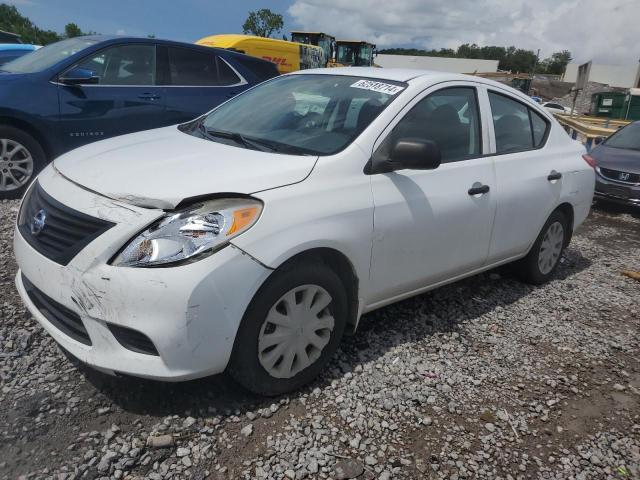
(543,258)
(291,329)
(21,158)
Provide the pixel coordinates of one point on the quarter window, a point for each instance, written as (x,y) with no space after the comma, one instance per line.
(448,117)
(123,65)
(516,126)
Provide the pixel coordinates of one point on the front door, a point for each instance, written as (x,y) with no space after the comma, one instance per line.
(432,225)
(123,97)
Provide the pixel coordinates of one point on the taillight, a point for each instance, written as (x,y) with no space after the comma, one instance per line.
(590,160)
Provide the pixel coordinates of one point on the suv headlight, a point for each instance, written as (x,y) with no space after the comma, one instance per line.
(202,229)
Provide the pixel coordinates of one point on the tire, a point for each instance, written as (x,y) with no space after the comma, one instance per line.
(252,362)
(549,246)
(21,159)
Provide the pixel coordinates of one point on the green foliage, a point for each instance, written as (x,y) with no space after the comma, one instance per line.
(72,30)
(263,23)
(12,21)
(509,58)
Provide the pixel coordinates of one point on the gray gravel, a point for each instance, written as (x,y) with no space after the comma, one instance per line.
(486,378)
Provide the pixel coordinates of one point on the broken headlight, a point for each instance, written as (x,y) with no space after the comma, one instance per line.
(179,236)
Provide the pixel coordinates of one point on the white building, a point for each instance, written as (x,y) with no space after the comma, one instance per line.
(440,64)
(627,76)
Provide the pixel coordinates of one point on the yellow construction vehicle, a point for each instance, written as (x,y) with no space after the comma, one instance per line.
(354,53)
(319,39)
(288,56)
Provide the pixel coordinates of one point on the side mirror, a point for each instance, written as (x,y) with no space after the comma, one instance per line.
(78,76)
(406,153)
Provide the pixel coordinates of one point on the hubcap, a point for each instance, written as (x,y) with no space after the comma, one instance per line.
(551,247)
(296,329)
(16,165)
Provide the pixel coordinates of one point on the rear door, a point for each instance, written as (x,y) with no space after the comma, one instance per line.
(124,97)
(529,175)
(196,81)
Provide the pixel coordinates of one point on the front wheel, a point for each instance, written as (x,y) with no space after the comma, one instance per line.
(291,329)
(544,257)
(21,158)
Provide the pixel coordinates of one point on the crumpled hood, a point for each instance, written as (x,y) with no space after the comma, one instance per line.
(159,168)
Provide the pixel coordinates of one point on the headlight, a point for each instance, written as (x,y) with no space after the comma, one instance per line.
(206,227)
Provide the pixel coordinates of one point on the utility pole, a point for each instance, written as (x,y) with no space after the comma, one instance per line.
(533,71)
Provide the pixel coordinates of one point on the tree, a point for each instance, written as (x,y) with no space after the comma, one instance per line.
(72,30)
(12,21)
(557,63)
(263,23)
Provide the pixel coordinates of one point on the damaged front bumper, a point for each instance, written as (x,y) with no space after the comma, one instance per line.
(172,323)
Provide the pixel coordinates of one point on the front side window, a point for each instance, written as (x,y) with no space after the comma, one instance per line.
(517,127)
(300,114)
(123,65)
(448,117)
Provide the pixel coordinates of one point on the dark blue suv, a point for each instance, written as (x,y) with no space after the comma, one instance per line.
(85,89)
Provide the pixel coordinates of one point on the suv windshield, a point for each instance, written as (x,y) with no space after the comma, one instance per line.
(628,137)
(300,114)
(48,56)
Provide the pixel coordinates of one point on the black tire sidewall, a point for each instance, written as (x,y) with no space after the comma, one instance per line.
(34,148)
(529,268)
(245,366)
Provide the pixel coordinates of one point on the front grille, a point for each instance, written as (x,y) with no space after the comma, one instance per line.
(619,176)
(55,230)
(59,316)
(133,340)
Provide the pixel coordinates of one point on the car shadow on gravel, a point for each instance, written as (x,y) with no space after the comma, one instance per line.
(614,210)
(438,311)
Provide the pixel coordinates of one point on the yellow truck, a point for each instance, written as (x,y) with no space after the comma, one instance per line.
(355,53)
(319,39)
(288,56)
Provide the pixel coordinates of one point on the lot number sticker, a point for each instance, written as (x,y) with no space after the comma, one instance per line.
(381,87)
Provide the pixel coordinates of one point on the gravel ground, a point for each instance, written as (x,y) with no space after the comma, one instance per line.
(485,378)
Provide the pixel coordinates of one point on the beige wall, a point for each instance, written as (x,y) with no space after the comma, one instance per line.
(616,76)
(439,64)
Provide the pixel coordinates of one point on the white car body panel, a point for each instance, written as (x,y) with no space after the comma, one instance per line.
(181,166)
(402,233)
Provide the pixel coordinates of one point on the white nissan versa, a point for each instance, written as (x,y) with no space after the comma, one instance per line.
(252,238)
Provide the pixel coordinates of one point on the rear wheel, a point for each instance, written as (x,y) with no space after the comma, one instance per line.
(21,158)
(291,329)
(543,258)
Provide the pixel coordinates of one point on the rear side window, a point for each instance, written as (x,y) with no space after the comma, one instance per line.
(448,117)
(192,68)
(516,126)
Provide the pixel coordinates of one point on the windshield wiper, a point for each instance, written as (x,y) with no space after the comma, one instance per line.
(239,138)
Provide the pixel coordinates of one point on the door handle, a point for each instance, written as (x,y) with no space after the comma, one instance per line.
(480,190)
(554,176)
(148,96)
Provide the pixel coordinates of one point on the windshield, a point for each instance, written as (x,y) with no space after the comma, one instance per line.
(346,54)
(627,137)
(48,56)
(300,114)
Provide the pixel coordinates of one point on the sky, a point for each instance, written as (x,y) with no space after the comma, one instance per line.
(606,32)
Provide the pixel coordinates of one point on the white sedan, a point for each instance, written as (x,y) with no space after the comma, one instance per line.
(252,238)
(553,107)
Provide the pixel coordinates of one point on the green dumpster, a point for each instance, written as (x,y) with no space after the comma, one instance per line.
(631,109)
(608,104)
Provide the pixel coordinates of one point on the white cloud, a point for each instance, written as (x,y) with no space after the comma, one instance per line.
(121,32)
(606,32)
